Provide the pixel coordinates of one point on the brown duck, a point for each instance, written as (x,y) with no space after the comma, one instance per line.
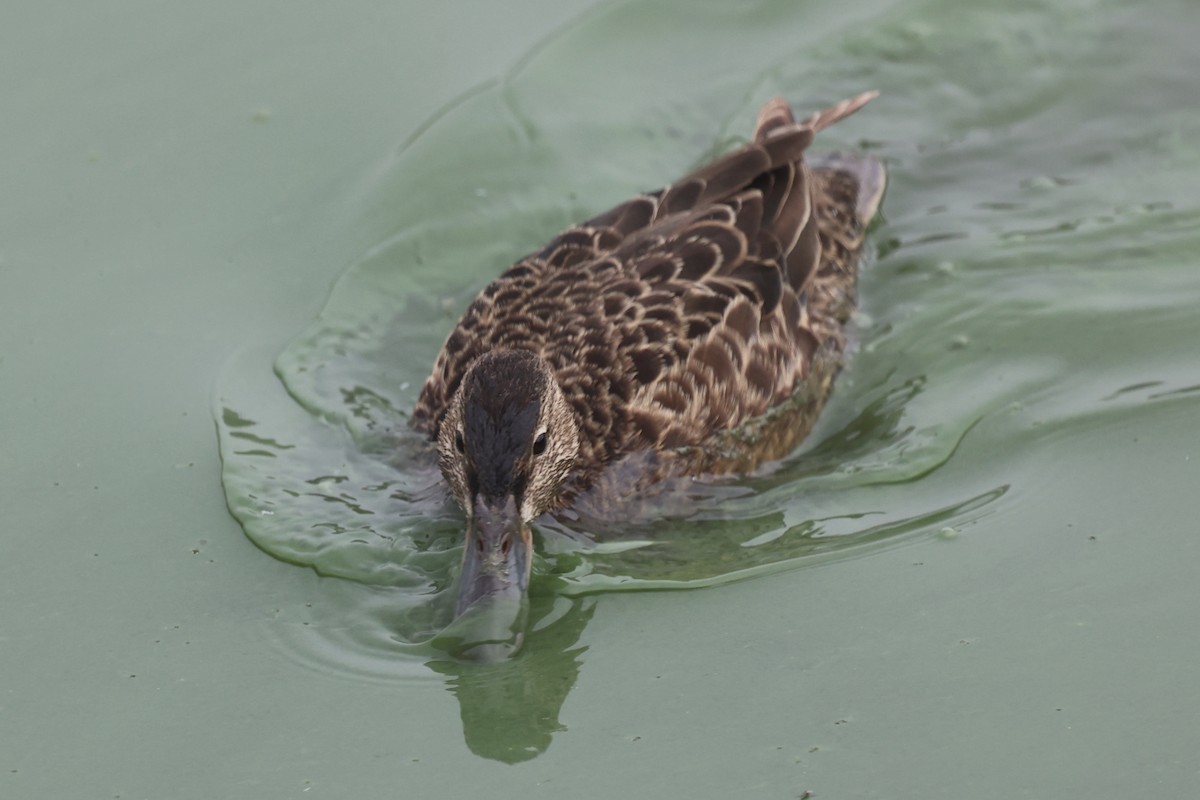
(696,329)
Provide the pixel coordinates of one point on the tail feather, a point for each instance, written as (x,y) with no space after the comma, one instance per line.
(776,115)
(835,113)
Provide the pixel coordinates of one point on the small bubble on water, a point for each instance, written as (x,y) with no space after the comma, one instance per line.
(948,533)
(1040,182)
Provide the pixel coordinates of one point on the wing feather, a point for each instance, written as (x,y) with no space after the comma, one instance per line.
(684,312)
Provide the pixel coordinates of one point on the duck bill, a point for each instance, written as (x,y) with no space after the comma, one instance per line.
(497,555)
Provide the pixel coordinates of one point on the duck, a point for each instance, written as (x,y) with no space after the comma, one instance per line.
(692,330)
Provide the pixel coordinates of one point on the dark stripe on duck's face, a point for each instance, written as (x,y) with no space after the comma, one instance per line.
(501,404)
(497,441)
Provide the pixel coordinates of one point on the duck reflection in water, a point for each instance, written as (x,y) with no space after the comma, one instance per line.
(510,707)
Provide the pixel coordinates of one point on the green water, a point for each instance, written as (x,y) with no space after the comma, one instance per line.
(976,579)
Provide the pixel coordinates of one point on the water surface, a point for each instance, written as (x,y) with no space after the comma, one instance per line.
(977,578)
(1030,283)
(996,297)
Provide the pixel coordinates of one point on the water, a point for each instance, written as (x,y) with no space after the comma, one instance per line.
(1008,257)
(976,578)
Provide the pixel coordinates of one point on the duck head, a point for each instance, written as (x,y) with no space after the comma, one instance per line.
(506,445)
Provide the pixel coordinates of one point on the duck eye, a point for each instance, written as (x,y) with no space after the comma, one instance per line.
(539,444)
(459,444)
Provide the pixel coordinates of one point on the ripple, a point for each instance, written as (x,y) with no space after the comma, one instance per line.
(1013,261)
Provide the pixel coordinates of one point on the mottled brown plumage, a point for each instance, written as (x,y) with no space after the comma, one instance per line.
(693,329)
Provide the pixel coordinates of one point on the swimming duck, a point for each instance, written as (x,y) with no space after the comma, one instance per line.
(692,330)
